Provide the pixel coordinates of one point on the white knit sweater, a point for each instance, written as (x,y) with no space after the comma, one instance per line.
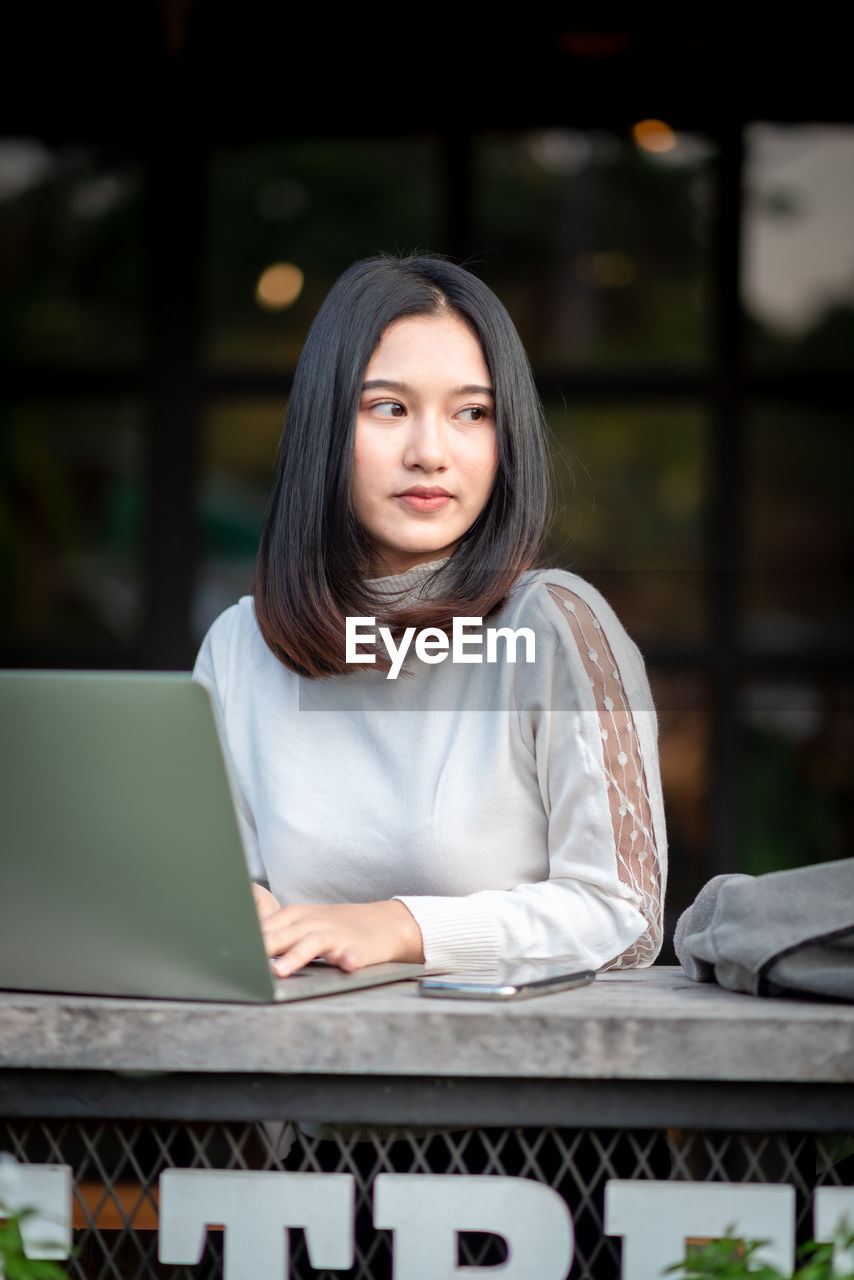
(514,808)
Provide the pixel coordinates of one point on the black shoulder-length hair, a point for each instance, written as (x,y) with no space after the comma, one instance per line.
(314,559)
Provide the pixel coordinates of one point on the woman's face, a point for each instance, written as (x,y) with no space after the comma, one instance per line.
(425,454)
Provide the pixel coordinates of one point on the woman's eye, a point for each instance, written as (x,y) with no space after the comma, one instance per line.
(388,409)
(474,413)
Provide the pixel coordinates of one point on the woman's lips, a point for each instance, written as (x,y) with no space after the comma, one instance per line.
(423,499)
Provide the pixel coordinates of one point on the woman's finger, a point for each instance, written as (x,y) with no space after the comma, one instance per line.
(308,947)
(283,928)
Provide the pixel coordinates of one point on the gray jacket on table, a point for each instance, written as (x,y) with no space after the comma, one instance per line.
(787,933)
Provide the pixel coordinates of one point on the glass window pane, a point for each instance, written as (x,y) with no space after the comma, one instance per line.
(70,255)
(312,207)
(797,788)
(597,247)
(240,440)
(800,529)
(629,511)
(70,528)
(682,702)
(798,271)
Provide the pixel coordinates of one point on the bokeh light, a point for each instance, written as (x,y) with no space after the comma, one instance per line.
(654,135)
(279,286)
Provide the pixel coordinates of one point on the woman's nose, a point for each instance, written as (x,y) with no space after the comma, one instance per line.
(427,443)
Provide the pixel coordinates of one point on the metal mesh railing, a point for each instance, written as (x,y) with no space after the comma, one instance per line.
(117,1164)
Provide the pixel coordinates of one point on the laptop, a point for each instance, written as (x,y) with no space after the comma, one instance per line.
(122,871)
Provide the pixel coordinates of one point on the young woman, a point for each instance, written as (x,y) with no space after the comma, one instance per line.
(463,811)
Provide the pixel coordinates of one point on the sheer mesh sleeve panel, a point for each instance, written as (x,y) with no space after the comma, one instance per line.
(638,864)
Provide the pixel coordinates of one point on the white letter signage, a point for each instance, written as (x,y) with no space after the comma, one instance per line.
(656,1218)
(255,1208)
(426,1215)
(45,1189)
(831,1207)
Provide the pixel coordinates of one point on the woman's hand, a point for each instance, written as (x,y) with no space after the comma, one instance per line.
(349,935)
(265,902)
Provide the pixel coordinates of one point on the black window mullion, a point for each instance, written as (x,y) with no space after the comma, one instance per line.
(725,509)
(174,236)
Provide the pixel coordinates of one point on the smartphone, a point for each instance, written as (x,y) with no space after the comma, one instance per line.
(512,981)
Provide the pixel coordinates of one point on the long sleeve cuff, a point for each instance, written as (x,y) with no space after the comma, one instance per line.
(456,934)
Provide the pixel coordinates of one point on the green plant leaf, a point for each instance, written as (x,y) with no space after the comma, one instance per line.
(14,1263)
(733,1258)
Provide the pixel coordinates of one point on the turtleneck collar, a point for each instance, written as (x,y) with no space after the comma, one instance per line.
(411,580)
